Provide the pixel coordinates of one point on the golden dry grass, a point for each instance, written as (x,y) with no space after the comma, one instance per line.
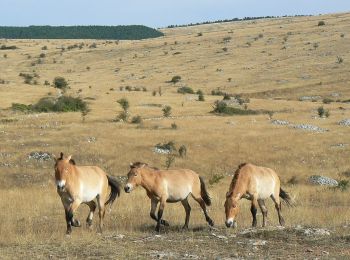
(273,77)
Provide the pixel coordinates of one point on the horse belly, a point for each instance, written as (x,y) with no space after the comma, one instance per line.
(176,194)
(89,193)
(265,188)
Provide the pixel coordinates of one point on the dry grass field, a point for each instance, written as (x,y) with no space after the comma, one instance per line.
(272,62)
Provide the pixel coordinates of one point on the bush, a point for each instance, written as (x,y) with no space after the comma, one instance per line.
(339,60)
(44,48)
(60,83)
(123,116)
(42,55)
(200,95)
(217,92)
(166,111)
(343,185)
(223,108)
(322,112)
(136,120)
(175,79)
(183,151)
(321,23)
(174,126)
(184,90)
(47,104)
(327,100)
(4,47)
(46,83)
(124,103)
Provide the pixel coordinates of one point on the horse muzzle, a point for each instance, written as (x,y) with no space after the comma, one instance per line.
(61,185)
(128,188)
(231,223)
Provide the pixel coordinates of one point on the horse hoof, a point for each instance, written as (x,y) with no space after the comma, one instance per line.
(185,227)
(211,223)
(76,223)
(157,229)
(165,223)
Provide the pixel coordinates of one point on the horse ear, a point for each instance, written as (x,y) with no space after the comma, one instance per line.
(131,165)
(69,157)
(53,156)
(143,165)
(61,154)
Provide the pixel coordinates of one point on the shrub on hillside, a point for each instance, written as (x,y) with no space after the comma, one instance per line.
(184,90)
(60,83)
(321,23)
(175,79)
(223,109)
(136,120)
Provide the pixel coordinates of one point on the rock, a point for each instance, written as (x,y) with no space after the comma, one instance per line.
(345,122)
(161,150)
(310,98)
(219,236)
(91,139)
(279,122)
(322,180)
(310,128)
(317,232)
(39,156)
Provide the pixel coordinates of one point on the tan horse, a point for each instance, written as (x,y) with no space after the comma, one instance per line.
(169,186)
(83,184)
(256,184)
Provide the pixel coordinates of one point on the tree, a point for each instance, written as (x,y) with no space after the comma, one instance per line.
(60,82)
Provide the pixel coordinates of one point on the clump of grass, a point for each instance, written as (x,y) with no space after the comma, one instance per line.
(322,112)
(182,151)
(167,111)
(321,23)
(184,90)
(215,179)
(174,126)
(343,185)
(327,100)
(136,120)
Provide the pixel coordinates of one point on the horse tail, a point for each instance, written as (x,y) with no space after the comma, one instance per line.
(285,196)
(115,190)
(204,193)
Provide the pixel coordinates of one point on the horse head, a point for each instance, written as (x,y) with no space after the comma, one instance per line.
(231,209)
(134,176)
(63,167)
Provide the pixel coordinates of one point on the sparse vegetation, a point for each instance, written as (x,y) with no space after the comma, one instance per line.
(167,111)
(321,23)
(185,90)
(223,109)
(60,83)
(323,112)
(136,120)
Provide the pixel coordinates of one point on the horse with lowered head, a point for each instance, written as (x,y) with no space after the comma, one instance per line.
(256,184)
(169,186)
(83,184)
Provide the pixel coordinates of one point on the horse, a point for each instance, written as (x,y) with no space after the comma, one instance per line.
(83,184)
(256,184)
(170,186)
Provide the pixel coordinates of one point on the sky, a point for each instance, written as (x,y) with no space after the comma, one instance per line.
(153,13)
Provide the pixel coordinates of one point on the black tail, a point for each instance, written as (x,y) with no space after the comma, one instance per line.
(204,193)
(115,190)
(285,196)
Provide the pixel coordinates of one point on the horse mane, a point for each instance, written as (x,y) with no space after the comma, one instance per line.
(235,177)
(71,161)
(140,164)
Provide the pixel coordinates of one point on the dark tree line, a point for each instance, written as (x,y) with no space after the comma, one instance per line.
(230,20)
(127,32)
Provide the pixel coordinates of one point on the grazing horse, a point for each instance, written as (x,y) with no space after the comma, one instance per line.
(83,184)
(169,186)
(256,184)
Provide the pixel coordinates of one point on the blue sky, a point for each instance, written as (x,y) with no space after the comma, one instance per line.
(154,13)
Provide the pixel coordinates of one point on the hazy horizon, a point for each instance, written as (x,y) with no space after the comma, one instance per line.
(155,13)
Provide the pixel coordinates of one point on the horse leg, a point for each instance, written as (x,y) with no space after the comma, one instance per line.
(154,204)
(160,213)
(253,210)
(263,211)
(92,206)
(204,208)
(69,216)
(101,211)
(188,212)
(277,202)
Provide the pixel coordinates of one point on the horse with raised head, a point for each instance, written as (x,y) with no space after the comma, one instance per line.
(171,186)
(83,184)
(256,184)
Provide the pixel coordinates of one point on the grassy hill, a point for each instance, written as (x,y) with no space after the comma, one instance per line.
(127,32)
(286,67)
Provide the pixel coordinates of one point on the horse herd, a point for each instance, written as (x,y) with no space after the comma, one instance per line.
(90,185)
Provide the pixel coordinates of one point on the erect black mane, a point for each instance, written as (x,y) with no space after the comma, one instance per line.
(140,164)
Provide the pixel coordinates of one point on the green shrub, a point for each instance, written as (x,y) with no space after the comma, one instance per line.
(136,120)
(217,92)
(327,100)
(322,112)
(223,108)
(183,151)
(200,95)
(60,83)
(343,185)
(321,23)
(184,90)
(124,103)
(215,179)
(166,111)
(42,55)
(48,104)
(175,79)
(123,116)
(174,126)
